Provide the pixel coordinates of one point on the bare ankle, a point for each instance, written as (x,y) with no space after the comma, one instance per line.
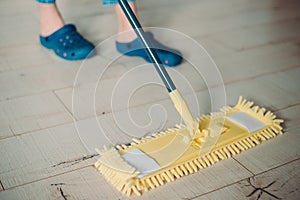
(125,32)
(126,36)
(50,19)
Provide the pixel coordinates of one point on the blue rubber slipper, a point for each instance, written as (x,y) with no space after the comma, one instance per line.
(169,57)
(68,44)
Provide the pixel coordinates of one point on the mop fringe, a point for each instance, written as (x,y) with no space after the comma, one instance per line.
(124,177)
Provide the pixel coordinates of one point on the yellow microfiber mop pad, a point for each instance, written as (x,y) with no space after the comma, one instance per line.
(163,157)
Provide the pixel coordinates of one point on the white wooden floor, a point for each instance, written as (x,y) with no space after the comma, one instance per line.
(255,44)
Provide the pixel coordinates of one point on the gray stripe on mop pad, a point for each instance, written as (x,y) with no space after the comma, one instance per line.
(143,163)
(247,121)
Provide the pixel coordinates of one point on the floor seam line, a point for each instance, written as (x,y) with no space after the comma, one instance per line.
(278,166)
(32,94)
(244,166)
(67,109)
(222,187)
(35,130)
(1,184)
(48,177)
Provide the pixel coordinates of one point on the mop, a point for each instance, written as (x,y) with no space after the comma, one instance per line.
(156,159)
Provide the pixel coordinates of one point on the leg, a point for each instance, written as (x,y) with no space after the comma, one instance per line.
(50,18)
(124,25)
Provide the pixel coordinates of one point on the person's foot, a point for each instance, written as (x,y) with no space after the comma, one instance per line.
(128,44)
(63,39)
(68,44)
(169,57)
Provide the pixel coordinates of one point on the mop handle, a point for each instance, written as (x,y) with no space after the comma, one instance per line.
(151,52)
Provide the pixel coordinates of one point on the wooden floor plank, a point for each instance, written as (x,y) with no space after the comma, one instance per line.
(87,183)
(272,91)
(5,130)
(290,114)
(276,152)
(259,35)
(23,57)
(81,184)
(13,27)
(9,8)
(37,156)
(279,183)
(212,19)
(30,113)
(214,49)
(35,80)
(258,61)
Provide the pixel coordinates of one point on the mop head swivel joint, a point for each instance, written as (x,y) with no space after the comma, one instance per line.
(163,157)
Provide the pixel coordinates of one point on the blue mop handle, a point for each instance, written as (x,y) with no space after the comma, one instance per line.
(151,52)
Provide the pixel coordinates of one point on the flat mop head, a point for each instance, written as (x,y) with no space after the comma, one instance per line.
(166,156)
